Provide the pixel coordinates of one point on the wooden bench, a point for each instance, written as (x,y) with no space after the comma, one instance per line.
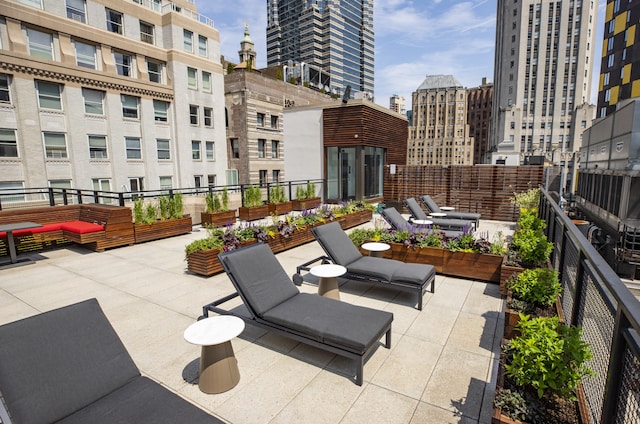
(75,223)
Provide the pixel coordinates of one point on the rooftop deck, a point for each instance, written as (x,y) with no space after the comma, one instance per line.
(441,367)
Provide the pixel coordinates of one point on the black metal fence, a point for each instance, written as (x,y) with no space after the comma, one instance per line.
(596,299)
(49,196)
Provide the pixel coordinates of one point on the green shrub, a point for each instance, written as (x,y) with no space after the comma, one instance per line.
(311,190)
(539,286)
(252,196)
(176,206)
(549,356)
(138,210)
(150,213)
(164,207)
(532,247)
(527,200)
(360,235)
(212,202)
(276,194)
(214,240)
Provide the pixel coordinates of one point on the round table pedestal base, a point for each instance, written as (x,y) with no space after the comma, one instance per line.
(218,368)
(328,287)
(376,253)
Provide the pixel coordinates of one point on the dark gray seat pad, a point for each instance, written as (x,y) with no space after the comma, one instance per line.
(391,270)
(330,321)
(141,401)
(451,224)
(433,207)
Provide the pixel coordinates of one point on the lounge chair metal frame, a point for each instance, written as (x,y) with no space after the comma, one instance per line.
(298,336)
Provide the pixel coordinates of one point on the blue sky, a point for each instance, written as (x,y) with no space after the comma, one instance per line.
(413,38)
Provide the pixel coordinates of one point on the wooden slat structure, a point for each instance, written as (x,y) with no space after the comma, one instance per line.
(486,189)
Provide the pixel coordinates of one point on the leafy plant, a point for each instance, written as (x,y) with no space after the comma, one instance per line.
(212,241)
(276,194)
(301,193)
(548,355)
(527,200)
(252,196)
(539,286)
(359,236)
(164,207)
(430,239)
(311,190)
(176,206)
(532,246)
(138,210)
(225,199)
(513,404)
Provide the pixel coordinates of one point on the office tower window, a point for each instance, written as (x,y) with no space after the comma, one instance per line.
(206,81)
(274,148)
(123,64)
(130,106)
(260,119)
(188,40)
(197,181)
(210,148)
(98,147)
(208,117)
(160,109)
(202,45)
(136,184)
(192,78)
(5,92)
(154,69)
(263,177)
(261,147)
(235,148)
(275,175)
(114,21)
(49,95)
(146,32)
(133,148)
(55,145)
(193,114)
(274,122)
(162,147)
(8,143)
(85,55)
(40,44)
(93,101)
(166,183)
(212,179)
(195,150)
(76,10)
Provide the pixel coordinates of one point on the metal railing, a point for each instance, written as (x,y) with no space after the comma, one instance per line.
(595,299)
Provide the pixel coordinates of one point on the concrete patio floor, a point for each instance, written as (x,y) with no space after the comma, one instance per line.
(441,367)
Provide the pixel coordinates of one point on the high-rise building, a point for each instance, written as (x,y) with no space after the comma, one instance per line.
(333,35)
(479,118)
(114,97)
(620,66)
(439,133)
(542,75)
(398,104)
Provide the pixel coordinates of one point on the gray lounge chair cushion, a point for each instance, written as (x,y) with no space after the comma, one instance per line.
(392,270)
(141,401)
(430,203)
(56,363)
(330,321)
(433,207)
(415,209)
(398,222)
(260,278)
(338,245)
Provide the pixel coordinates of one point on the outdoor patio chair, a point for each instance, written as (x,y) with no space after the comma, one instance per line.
(398,222)
(433,207)
(274,303)
(387,272)
(68,365)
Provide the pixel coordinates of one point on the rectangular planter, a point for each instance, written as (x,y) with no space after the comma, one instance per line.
(280,208)
(218,219)
(162,229)
(204,262)
(479,266)
(507,271)
(251,214)
(304,204)
(298,238)
(356,218)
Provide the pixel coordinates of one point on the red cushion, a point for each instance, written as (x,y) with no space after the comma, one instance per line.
(81,227)
(28,231)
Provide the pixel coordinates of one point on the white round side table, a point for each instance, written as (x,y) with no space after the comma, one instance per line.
(376,249)
(218,364)
(437,214)
(328,284)
(447,208)
(422,222)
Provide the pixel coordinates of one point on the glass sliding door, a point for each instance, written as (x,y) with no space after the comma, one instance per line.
(373,171)
(341,173)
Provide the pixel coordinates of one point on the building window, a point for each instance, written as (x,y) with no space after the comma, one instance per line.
(132,145)
(136,184)
(162,146)
(274,122)
(166,183)
(274,148)
(102,184)
(49,95)
(154,69)
(188,40)
(55,145)
(8,144)
(232,176)
(40,44)
(206,81)
(212,179)
(202,45)
(123,64)
(160,110)
(261,147)
(208,117)
(193,114)
(85,55)
(146,32)
(114,21)
(93,101)
(195,150)
(260,118)
(76,10)
(129,106)
(263,177)
(197,181)
(192,78)
(210,148)
(98,147)
(275,175)
(235,148)
(5,93)
(33,3)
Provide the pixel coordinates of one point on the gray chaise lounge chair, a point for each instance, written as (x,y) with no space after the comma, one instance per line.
(69,366)
(275,304)
(397,222)
(340,250)
(433,207)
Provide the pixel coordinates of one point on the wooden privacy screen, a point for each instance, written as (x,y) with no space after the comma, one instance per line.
(485,189)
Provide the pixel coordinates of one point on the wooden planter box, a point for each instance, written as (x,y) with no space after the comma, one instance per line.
(507,271)
(298,238)
(301,205)
(204,262)
(280,208)
(512,318)
(356,218)
(478,266)
(162,229)
(218,219)
(251,214)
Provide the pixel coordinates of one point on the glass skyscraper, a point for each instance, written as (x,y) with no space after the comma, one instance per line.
(333,35)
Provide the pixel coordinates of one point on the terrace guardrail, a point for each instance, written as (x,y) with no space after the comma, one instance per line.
(596,299)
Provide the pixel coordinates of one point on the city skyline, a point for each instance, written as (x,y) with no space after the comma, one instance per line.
(412,39)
